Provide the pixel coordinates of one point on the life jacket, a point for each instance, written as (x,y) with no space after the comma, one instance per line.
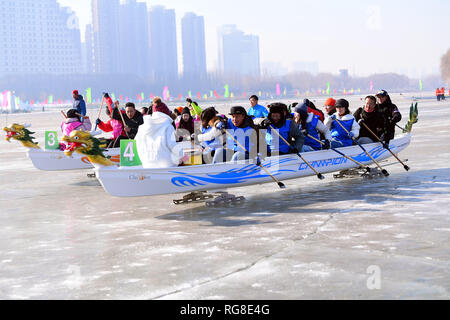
(242,135)
(317,113)
(212,144)
(67,128)
(339,133)
(311,128)
(284,132)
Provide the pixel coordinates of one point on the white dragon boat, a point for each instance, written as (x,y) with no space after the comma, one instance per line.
(52,160)
(138,182)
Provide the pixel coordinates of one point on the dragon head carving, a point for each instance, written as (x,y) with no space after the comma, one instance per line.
(413,118)
(84,143)
(21,133)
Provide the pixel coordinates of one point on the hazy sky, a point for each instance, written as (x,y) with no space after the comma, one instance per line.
(364,36)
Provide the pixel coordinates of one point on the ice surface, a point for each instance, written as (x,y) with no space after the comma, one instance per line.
(63,237)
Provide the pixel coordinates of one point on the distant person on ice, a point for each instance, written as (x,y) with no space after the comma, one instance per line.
(78,103)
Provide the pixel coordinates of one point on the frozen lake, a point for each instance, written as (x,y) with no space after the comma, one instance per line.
(63,237)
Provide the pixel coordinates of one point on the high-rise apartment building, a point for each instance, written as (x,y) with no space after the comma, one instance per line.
(134,38)
(38,37)
(105,22)
(163,44)
(194,47)
(238,52)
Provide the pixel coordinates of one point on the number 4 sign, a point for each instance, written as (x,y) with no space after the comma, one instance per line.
(128,154)
(51,140)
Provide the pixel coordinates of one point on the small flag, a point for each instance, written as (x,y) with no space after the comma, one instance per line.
(227,91)
(89,95)
(278,90)
(328,88)
(420,85)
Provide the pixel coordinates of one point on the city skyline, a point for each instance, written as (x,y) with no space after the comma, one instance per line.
(337,35)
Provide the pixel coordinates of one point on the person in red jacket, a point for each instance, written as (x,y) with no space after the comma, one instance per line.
(115,126)
(438,94)
(442,93)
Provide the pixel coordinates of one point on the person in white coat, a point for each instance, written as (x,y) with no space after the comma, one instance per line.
(156,143)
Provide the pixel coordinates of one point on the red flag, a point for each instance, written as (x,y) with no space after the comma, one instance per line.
(199,96)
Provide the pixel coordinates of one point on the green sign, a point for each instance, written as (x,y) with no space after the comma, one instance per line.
(51,140)
(128,154)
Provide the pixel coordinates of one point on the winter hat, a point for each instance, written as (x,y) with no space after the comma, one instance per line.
(161,107)
(342,103)
(302,110)
(330,102)
(238,110)
(186,111)
(180,110)
(75,92)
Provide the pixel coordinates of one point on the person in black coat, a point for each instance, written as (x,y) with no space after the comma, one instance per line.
(391,115)
(371,117)
(133,120)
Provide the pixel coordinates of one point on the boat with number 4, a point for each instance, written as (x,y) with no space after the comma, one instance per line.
(138,181)
(52,159)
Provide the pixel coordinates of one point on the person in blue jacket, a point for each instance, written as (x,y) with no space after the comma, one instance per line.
(256,110)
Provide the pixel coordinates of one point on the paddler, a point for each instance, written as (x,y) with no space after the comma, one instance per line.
(390,113)
(212,136)
(311,125)
(288,129)
(372,118)
(337,122)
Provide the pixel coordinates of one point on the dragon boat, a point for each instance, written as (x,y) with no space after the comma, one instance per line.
(56,160)
(139,181)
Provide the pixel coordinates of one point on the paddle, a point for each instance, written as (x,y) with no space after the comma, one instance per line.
(259,164)
(99,112)
(319,175)
(342,154)
(386,147)
(123,121)
(64,115)
(368,154)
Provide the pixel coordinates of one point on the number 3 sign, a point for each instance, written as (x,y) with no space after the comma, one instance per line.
(51,140)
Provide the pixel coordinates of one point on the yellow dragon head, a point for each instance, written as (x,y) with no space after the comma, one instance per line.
(84,143)
(21,133)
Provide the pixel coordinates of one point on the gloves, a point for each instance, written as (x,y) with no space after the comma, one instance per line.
(293,149)
(304,132)
(386,144)
(351,135)
(327,145)
(360,122)
(194,137)
(98,121)
(266,123)
(220,126)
